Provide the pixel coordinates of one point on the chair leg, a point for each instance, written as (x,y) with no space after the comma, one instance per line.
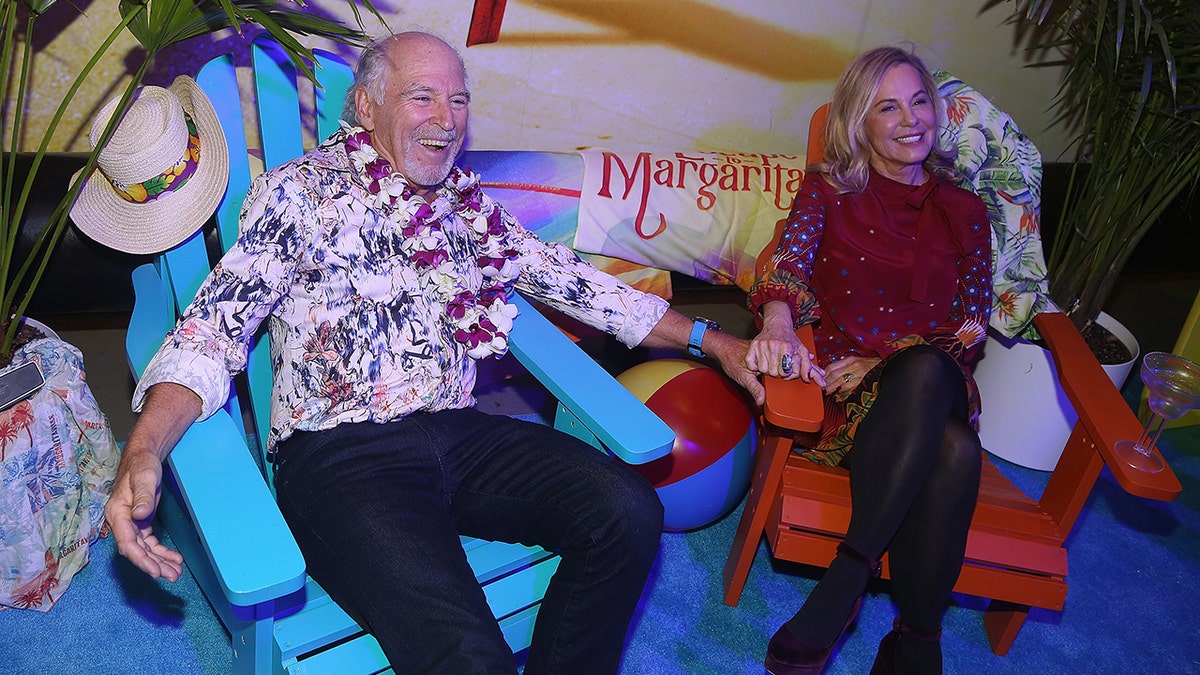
(764,489)
(1003,620)
(252,638)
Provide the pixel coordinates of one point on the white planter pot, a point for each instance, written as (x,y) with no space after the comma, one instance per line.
(1026,416)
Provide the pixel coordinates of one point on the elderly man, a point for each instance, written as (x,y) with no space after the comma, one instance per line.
(383,270)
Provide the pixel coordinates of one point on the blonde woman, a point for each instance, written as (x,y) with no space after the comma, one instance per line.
(889,261)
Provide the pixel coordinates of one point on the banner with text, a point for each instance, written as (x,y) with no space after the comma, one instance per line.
(704,214)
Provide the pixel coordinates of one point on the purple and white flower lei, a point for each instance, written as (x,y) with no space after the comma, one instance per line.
(482,320)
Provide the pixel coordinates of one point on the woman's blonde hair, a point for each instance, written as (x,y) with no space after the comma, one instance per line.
(847,152)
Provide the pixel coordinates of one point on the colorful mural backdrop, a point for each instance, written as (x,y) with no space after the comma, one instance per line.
(628,75)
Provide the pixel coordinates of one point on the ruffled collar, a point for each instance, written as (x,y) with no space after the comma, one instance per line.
(930,217)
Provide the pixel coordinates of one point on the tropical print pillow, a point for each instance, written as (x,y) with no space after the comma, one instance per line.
(1005,168)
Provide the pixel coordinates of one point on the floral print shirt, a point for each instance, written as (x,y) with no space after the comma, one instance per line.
(356,333)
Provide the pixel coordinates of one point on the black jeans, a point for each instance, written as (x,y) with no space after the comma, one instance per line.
(377,510)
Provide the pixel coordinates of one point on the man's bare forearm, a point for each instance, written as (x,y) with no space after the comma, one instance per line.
(168,411)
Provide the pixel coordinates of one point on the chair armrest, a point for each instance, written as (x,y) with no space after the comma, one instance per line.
(795,404)
(1102,410)
(247,541)
(153,315)
(625,426)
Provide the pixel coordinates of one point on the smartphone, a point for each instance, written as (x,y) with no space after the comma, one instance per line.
(19,382)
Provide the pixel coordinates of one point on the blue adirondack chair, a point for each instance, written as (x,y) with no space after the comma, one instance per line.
(218,506)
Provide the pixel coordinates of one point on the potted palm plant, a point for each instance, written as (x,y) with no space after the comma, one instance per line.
(49,435)
(1131,94)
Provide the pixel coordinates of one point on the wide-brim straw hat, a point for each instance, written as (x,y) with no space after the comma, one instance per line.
(158,180)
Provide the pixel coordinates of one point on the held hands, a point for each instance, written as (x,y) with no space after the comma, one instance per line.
(673,330)
(130,510)
(731,353)
(776,351)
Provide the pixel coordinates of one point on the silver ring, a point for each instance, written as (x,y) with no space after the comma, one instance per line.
(847,377)
(785,364)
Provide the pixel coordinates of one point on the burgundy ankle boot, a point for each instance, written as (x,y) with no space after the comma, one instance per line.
(787,654)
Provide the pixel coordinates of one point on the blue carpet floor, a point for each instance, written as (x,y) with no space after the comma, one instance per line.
(1131,607)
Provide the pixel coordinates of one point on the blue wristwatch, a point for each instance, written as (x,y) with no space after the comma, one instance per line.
(699,328)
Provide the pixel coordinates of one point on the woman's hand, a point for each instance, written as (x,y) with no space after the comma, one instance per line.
(846,374)
(776,351)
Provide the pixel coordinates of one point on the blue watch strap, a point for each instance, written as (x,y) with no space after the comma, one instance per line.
(700,326)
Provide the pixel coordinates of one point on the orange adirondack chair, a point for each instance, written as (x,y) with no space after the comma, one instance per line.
(1016,550)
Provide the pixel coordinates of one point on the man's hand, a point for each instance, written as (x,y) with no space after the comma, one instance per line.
(731,353)
(673,330)
(130,510)
(168,411)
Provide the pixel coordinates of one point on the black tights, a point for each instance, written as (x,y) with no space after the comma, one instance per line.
(914,479)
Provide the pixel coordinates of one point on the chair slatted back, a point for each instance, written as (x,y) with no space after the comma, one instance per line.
(281,109)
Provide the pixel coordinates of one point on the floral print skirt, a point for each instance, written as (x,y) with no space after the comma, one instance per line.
(844,412)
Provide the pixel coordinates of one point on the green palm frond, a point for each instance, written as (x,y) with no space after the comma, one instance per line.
(1131,95)
(38,6)
(167,22)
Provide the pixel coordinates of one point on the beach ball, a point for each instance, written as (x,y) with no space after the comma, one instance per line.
(708,469)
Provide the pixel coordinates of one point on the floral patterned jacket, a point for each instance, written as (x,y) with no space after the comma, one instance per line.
(1004,168)
(356,333)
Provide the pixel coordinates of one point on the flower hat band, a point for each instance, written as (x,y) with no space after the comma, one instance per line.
(173,178)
